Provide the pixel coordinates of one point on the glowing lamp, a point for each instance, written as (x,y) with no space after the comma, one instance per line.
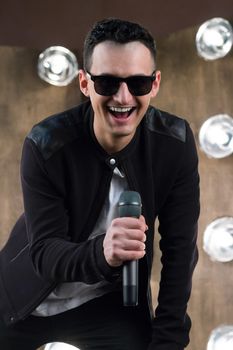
(218,239)
(57,66)
(60,346)
(214,38)
(216,136)
(221,338)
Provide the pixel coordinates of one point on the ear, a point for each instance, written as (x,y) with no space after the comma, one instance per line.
(83,82)
(156,84)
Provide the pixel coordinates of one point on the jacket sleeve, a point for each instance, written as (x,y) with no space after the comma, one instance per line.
(178,229)
(54,255)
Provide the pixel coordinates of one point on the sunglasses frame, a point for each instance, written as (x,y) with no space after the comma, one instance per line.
(119,80)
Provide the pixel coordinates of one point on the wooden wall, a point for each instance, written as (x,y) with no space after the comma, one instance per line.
(191,88)
(24,100)
(196,89)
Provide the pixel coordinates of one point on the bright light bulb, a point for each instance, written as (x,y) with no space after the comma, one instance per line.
(218,239)
(216,136)
(57,65)
(212,37)
(221,338)
(60,346)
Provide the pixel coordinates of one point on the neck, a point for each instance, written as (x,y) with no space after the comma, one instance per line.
(115,145)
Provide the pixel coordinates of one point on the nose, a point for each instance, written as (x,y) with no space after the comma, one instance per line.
(123,95)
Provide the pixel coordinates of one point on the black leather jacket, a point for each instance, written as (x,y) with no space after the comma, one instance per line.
(65,180)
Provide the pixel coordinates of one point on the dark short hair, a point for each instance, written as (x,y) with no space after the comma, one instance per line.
(118,31)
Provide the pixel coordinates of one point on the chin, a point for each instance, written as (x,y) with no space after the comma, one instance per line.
(124,133)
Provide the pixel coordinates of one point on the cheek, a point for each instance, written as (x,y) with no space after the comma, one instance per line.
(98,102)
(145,101)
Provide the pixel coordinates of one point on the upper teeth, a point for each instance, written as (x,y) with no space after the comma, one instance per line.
(120,109)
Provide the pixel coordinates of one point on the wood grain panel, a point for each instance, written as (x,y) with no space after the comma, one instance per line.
(24,100)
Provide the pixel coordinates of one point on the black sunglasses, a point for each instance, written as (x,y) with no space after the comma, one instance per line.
(108,85)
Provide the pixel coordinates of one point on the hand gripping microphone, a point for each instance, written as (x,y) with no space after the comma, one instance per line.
(129,205)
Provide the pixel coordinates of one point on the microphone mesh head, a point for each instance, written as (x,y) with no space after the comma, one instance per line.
(130,204)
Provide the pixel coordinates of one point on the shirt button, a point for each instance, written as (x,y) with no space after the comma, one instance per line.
(112,161)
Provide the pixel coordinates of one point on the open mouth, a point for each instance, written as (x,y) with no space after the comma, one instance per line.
(121,112)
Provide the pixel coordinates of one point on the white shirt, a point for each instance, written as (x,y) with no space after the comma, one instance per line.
(69,295)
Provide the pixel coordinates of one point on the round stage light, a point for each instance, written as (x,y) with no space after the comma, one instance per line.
(60,346)
(216,136)
(218,239)
(57,66)
(214,38)
(221,338)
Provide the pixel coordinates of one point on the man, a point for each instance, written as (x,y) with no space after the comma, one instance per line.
(61,269)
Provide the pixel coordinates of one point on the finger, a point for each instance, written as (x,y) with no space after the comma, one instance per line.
(126,255)
(133,245)
(142,219)
(132,234)
(129,222)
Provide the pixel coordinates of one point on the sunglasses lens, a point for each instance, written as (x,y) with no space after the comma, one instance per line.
(106,86)
(139,86)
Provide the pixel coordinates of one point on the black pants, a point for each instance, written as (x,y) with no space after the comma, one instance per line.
(101,324)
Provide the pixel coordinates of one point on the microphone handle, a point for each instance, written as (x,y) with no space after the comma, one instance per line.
(130,206)
(130,283)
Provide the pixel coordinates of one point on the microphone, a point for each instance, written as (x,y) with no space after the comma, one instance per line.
(129,205)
